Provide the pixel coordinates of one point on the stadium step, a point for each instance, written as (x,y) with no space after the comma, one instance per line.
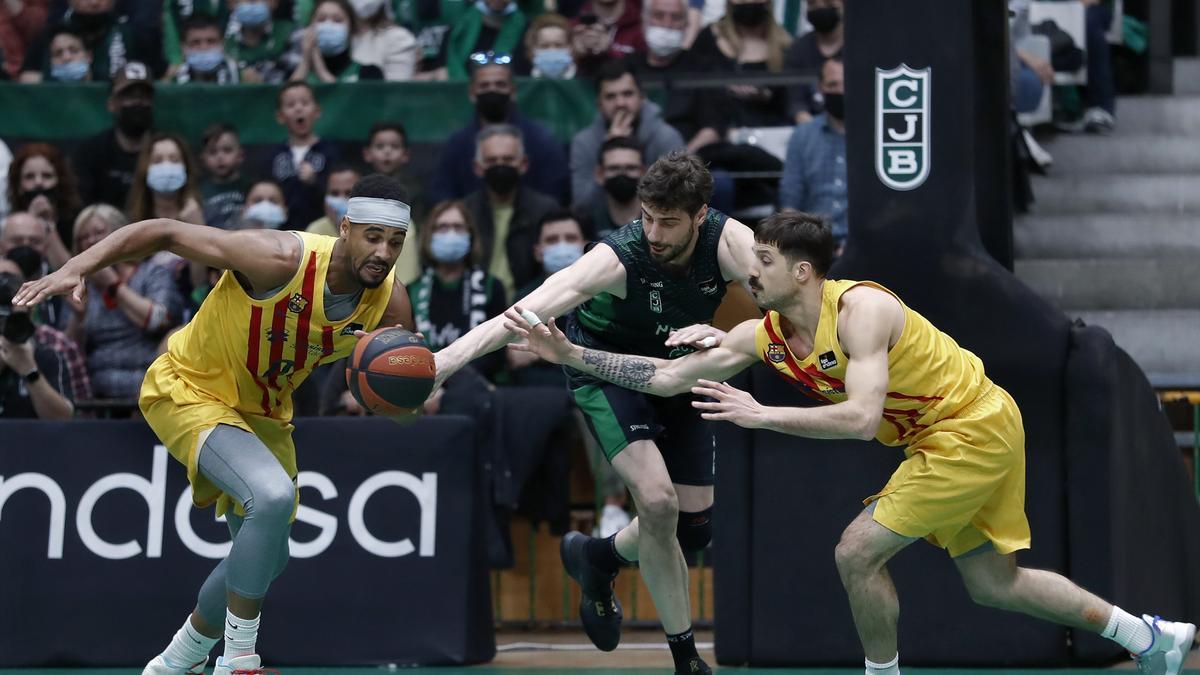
(1159,115)
(1107,235)
(1134,193)
(1099,284)
(1125,153)
(1187,76)
(1162,342)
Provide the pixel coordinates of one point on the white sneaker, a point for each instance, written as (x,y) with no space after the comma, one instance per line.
(158,666)
(1098,121)
(1172,642)
(613,519)
(242,665)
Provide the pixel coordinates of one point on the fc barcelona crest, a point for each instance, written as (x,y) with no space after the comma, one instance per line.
(776,353)
(297,303)
(902,126)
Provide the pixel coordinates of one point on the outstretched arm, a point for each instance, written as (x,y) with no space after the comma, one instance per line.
(266,258)
(598,271)
(661,377)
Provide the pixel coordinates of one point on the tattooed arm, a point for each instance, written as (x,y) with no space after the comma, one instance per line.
(661,377)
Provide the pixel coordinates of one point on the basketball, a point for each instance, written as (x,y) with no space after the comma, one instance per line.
(391,372)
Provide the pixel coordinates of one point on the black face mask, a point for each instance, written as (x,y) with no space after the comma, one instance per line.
(26,197)
(29,260)
(492,106)
(835,105)
(621,188)
(91,23)
(824,19)
(751,14)
(501,178)
(135,120)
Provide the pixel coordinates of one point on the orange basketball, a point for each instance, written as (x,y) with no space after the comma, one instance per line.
(391,372)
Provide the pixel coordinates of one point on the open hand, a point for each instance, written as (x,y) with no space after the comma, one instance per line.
(543,339)
(729,404)
(700,336)
(60,282)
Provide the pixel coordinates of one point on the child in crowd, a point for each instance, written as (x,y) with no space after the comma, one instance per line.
(301,166)
(223,189)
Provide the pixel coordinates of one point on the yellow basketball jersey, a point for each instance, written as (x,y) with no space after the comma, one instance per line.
(929,376)
(251,354)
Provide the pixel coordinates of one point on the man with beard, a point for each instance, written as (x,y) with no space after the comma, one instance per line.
(492,91)
(643,290)
(865,357)
(220,398)
(814,168)
(105,163)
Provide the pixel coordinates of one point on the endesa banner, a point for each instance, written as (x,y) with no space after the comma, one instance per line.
(102,553)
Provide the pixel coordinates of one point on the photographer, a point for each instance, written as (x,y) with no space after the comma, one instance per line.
(32,379)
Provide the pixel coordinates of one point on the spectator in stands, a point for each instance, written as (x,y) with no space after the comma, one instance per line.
(548,48)
(381,43)
(165,183)
(301,166)
(127,310)
(620,167)
(1101,94)
(265,207)
(506,212)
(223,189)
(431,21)
(24,229)
(750,37)
(337,196)
(825,41)
(175,14)
(41,182)
(814,172)
(70,58)
(105,163)
(455,293)
(258,41)
(20,23)
(112,38)
(386,152)
(604,30)
(33,382)
(492,92)
(622,111)
(485,29)
(205,60)
(45,316)
(325,54)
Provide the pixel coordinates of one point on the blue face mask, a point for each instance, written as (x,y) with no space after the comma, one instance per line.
(557,256)
(450,247)
(253,14)
(332,37)
(166,176)
(552,63)
(205,60)
(265,214)
(71,71)
(487,11)
(338,205)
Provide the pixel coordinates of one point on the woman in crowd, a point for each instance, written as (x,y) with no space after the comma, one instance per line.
(41,182)
(70,58)
(750,37)
(548,47)
(380,42)
(325,52)
(128,308)
(265,207)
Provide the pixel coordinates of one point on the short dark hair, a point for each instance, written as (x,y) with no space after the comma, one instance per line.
(67,29)
(556,215)
(621,143)
(380,127)
(799,236)
(677,181)
(214,132)
(831,59)
(199,21)
(343,167)
(290,86)
(615,69)
(380,186)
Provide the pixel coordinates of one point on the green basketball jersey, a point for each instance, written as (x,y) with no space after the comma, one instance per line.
(656,302)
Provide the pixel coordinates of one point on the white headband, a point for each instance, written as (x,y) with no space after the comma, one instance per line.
(378,211)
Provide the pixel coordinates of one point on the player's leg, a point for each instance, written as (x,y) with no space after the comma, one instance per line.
(995,580)
(861,556)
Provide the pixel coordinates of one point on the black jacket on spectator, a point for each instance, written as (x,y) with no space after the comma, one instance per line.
(747,113)
(305,202)
(105,171)
(690,110)
(804,54)
(14,395)
(451,310)
(548,170)
(529,208)
(134,35)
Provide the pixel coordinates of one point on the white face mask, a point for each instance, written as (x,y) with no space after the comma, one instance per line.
(366,9)
(664,42)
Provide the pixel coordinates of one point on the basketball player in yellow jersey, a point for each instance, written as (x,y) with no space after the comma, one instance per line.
(220,398)
(884,372)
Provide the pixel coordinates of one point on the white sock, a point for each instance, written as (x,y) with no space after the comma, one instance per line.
(890,668)
(188,648)
(1128,631)
(240,635)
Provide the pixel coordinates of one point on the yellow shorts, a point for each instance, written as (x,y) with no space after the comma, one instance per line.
(963,484)
(179,413)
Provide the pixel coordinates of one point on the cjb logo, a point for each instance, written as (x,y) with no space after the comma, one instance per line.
(902,126)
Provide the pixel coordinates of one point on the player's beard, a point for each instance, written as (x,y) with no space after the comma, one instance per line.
(673,252)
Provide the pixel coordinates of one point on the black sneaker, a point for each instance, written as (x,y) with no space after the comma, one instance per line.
(695,666)
(599,609)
